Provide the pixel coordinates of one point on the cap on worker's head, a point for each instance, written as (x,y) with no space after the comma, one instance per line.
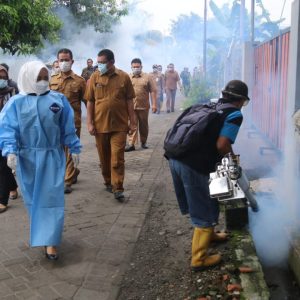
(236,89)
(154,66)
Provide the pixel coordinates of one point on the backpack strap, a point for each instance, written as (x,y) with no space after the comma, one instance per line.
(221,106)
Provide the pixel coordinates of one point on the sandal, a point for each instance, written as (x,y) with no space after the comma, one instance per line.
(13,195)
(3,208)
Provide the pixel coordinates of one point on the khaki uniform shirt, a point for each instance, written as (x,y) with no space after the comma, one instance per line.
(143,84)
(159,81)
(73,87)
(171,79)
(87,73)
(110,92)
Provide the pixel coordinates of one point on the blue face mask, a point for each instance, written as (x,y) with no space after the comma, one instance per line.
(102,68)
(3,83)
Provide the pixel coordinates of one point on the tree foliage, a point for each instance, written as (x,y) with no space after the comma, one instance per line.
(188,28)
(26,24)
(101,14)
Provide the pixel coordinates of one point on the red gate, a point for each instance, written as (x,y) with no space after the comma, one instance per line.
(269,101)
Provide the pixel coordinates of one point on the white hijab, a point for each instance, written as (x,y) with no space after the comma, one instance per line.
(28,76)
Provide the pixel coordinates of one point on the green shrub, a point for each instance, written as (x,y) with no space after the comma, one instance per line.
(201,91)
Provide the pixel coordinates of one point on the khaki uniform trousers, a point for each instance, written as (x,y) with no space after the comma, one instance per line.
(71,171)
(111,148)
(141,117)
(171,95)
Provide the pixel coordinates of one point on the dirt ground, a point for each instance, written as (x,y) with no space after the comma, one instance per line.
(159,267)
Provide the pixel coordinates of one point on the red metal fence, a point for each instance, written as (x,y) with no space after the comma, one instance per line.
(270,88)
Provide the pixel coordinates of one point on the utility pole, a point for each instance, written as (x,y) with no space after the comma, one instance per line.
(242,21)
(252,21)
(204,38)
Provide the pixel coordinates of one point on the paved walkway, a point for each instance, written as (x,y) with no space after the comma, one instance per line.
(99,232)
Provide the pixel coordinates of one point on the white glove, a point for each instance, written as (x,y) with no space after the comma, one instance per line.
(12,161)
(75,158)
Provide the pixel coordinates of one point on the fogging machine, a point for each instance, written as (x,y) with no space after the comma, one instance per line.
(230,184)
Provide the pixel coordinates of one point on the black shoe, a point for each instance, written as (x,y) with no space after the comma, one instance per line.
(109,188)
(119,196)
(51,256)
(77,172)
(129,148)
(68,189)
(168,111)
(144,146)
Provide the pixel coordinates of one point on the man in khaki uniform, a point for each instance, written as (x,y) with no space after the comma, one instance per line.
(159,80)
(171,80)
(143,85)
(73,87)
(110,115)
(88,71)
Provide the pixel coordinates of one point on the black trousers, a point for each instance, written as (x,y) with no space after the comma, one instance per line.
(7,180)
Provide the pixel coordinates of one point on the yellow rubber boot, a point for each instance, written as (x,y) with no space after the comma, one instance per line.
(200,259)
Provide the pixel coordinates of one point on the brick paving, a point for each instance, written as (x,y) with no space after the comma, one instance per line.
(99,232)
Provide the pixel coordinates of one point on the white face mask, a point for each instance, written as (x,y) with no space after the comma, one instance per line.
(65,66)
(41,87)
(246,102)
(3,83)
(136,71)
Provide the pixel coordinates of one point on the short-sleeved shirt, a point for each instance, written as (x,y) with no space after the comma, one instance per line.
(143,84)
(171,79)
(110,93)
(232,125)
(159,81)
(185,77)
(73,87)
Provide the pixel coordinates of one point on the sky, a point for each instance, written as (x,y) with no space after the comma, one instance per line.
(163,11)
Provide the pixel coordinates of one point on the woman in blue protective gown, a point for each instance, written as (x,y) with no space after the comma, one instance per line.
(34,127)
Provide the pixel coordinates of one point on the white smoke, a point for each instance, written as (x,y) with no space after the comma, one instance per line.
(86,43)
(274,226)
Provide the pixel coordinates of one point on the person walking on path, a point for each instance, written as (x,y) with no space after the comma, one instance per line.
(159,80)
(190,173)
(110,115)
(73,87)
(88,70)
(55,68)
(143,85)
(172,79)
(8,184)
(34,127)
(185,76)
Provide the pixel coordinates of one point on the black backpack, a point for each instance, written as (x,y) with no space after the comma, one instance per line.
(189,133)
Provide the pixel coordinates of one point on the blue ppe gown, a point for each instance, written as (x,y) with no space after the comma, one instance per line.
(36,128)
